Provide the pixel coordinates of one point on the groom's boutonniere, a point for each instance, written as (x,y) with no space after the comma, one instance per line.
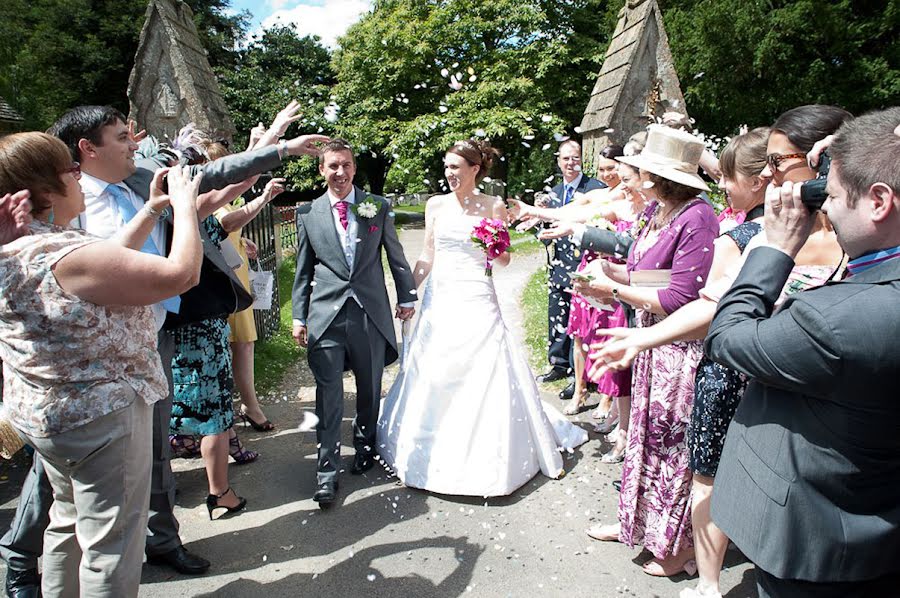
(368,208)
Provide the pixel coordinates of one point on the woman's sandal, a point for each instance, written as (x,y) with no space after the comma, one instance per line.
(656,568)
(696,593)
(237,451)
(266,426)
(212,503)
(604,533)
(184,446)
(574,408)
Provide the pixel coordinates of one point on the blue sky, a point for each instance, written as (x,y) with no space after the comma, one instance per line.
(328,19)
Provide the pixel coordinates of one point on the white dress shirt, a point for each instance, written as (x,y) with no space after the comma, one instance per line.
(101,217)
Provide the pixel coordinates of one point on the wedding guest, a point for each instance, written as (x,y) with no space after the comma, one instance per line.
(809,481)
(674,245)
(78,342)
(718,389)
(116,188)
(562,261)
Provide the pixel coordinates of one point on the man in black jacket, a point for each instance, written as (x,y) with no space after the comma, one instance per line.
(809,482)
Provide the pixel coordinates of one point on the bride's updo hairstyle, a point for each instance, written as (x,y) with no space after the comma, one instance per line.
(477,152)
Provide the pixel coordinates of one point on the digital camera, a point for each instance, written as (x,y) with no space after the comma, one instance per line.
(812,192)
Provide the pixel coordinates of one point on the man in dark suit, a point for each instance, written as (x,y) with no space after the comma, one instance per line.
(341,308)
(563,259)
(809,482)
(116,188)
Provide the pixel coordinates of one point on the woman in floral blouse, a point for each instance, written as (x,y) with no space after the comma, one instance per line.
(81,370)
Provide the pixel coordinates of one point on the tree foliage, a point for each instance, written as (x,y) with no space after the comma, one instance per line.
(414,76)
(56,54)
(747,61)
(275,68)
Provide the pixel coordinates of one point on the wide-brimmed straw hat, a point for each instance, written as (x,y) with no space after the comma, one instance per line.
(672,154)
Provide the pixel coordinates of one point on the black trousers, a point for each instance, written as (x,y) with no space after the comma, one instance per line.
(351,339)
(770,586)
(559,347)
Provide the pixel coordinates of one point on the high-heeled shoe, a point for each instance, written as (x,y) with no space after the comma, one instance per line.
(574,408)
(266,426)
(237,451)
(212,503)
(606,426)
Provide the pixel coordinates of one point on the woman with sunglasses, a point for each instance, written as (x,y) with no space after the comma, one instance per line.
(78,344)
(748,163)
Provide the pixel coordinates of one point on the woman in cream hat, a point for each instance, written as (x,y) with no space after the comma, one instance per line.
(673,246)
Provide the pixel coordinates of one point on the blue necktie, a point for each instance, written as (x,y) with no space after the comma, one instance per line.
(570,191)
(127,211)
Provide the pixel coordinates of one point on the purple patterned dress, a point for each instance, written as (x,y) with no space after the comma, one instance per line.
(654,504)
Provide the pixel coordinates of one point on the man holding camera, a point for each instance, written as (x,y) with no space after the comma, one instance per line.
(809,482)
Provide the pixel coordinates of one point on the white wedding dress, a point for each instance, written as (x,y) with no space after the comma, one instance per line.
(464,415)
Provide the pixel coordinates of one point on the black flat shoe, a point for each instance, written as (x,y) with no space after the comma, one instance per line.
(180,560)
(212,503)
(23,584)
(551,376)
(326,494)
(568,392)
(362,463)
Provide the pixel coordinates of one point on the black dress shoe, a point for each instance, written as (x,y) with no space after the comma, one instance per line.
(568,392)
(551,376)
(181,560)
(617,484)
(326,494)
(23,584)
(362,463)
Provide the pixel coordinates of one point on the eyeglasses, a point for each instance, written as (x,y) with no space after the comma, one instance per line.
(75,170)
(775,160)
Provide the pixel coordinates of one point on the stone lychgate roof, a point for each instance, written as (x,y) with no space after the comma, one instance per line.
(8,114)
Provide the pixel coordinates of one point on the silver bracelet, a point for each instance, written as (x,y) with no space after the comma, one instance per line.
(282,149)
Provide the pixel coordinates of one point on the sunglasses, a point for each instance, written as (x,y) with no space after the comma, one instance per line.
(75,170)
(775,160)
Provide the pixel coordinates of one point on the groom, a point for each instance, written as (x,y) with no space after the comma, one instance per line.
(341,310)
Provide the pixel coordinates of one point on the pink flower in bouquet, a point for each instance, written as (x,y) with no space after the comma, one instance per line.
(492,236)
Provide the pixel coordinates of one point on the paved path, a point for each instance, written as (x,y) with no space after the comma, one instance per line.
(385,540)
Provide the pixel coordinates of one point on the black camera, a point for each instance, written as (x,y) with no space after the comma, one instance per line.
(812,193)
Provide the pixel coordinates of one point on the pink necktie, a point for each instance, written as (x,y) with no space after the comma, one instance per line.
(342,212)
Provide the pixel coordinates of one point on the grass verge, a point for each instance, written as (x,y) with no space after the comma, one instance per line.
(534,307)
(277,353)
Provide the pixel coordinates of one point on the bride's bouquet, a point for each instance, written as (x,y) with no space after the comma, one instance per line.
(492,236)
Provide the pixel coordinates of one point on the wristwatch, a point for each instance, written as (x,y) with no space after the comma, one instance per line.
(615,293)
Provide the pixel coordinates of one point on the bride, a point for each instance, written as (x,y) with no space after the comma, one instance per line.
(464,415)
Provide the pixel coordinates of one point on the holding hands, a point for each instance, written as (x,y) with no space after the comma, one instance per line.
(404,313)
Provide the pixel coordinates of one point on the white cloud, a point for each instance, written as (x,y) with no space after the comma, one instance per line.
(328,19)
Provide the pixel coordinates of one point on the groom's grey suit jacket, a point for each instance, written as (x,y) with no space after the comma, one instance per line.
(809,482)
(320,260)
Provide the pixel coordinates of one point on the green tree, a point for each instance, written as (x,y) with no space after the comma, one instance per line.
(56,54)
(746,61)
(275,68)
(414,76)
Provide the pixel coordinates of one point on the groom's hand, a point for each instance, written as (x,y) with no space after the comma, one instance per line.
(405,313)
(300,335)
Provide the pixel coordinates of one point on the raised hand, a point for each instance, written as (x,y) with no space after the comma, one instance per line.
(136,137)
(518,210)
(15,215)
(306,145)
(274,188)
(256,133)
(557,230)
(288,115)
(183,189)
